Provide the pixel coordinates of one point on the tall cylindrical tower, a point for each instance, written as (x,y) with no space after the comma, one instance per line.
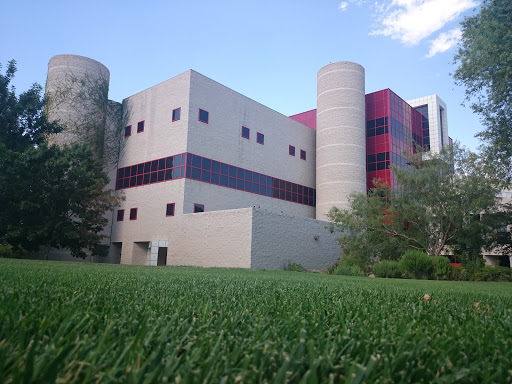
(77,90)
(340,135)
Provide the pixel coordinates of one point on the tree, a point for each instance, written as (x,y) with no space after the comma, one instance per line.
(442,201)
(22,122)
(53,197)
(484,63)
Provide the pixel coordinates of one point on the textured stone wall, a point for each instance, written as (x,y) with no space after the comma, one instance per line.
(278,239)
(71,86)
(340,135)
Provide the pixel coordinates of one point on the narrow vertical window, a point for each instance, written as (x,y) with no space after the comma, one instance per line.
(120,214)
(198,208)
(291,150)
(260,138)
(303,154)
(140,126)
(245,132)
(127,131)
(203,116)
(133,214)
(176,114)
(169,211)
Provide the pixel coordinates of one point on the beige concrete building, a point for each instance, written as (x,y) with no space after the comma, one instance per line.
(213,178)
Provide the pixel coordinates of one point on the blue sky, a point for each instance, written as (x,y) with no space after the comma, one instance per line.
(267,50)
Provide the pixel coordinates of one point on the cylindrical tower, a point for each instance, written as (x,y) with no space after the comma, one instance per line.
(77,90)
(340,135)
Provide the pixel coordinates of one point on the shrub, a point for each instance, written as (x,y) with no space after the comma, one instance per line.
(387,268)
(348,270)
(457,273)
(472,267)
(416,264)
(442,267)
(489,273)
(294,267)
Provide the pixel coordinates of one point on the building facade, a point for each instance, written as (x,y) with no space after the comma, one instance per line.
(213,178)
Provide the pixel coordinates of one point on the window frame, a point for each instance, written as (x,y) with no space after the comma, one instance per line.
(303,152)
(128,131)
(143,125)
(173,209)
(197,205)
(136,213)
(290,147)
(207,116)
(179,114)
(258,135)
(248,133)
(120,211)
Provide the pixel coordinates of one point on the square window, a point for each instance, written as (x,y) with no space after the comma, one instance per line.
(169,211)
(203,116)
(291,150)
(260,138)
(120,214)
(245,132)
(302,154)
(176,113)
(140,126)
(127,131)
(198,208)
(133,214)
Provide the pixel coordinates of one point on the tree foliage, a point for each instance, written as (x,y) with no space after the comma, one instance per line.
(443,200)
(484,68)
(53,197)
(22,122)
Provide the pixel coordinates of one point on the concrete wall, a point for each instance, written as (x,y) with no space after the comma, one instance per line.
(340,135)
(278,239)
(77,88)
(212,239)
(238,238)
(221,140)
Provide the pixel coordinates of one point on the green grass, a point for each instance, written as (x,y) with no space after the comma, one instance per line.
(71,322)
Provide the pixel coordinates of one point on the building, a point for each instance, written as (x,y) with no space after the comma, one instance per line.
(213,178)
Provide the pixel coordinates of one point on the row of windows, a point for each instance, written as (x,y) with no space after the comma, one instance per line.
(169,211)
(214,172)
(377,127)
(133,214)
(128,129)
(176,115)
(425,126)
(377,162)
(399,161)
(291,152)
(403,133)
(260,137)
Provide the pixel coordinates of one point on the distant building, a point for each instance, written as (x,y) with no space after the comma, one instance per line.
(213,178)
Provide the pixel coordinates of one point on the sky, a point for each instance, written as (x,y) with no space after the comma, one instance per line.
(267,50)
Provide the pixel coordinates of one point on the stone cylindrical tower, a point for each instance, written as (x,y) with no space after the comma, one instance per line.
(77,90)
(340,135)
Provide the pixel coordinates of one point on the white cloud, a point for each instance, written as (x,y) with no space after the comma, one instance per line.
(444,42)
(411,21)
(343,6)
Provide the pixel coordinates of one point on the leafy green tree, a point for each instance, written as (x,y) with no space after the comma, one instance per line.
(484,68)
(433,207)
(22,122)
(53,197)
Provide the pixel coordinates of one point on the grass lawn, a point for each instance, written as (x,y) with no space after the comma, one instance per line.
(70,322)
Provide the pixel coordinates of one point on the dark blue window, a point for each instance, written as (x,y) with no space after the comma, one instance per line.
(203,116)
